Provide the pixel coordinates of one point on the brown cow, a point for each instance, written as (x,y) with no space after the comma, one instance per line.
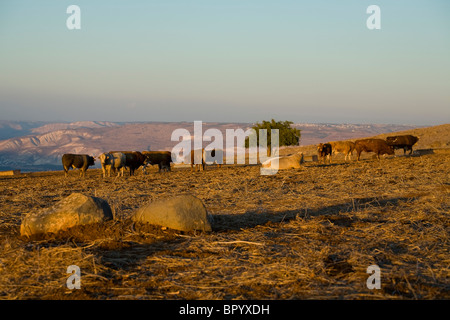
(161,158)
(345,147)
(134,159)
(324,150)
(379,146)
(404,142)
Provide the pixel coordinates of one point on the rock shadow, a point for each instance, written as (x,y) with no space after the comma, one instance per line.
(250,219)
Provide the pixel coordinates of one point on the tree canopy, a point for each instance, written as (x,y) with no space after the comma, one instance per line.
(288,136)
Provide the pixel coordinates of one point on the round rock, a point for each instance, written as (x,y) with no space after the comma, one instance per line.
(76,209)
(184,213)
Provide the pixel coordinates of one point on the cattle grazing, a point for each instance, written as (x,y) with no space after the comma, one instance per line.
(287,162)
(114,160)
(79,161)
(404,142)
(134,159)
(161,158)
(345,147)
(324,150)
(379,146)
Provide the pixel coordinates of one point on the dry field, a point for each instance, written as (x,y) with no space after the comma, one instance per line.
(309,233)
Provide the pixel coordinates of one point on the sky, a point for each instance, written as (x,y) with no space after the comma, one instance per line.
(226,61)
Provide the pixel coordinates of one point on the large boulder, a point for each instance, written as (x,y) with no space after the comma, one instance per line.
(184,213)
(76,209)
(287,162)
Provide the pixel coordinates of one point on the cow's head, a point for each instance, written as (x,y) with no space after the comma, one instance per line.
(392,141)
(390,150)
(320,147)
(147,161)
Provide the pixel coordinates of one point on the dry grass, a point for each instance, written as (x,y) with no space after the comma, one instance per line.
(300,234)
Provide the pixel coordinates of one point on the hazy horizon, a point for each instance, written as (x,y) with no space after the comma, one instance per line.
(224,122)
(226,61)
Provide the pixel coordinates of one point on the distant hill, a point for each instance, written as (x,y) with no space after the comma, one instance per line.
(11,129)
(37,146)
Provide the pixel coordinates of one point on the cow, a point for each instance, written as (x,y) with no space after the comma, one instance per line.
(324,150)
(198,159)
(114,160)
(404,142)
(345,147)
(79,161)
(161,158)
(134,159)
(379,146)
(287,162)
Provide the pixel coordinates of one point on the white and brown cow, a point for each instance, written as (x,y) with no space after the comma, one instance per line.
(114,161)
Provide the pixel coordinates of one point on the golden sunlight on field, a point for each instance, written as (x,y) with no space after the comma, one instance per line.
(302,233)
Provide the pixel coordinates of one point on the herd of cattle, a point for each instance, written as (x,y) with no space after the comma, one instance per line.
(119,160)
(378,146)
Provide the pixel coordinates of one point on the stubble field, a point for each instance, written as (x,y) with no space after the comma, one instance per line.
(309,233)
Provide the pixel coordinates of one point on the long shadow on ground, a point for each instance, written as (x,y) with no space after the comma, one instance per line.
(250,219)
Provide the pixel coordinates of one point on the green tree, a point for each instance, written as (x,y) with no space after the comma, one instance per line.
(288,136)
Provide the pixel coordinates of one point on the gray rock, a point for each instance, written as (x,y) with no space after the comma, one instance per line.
(76,209)
(184,213)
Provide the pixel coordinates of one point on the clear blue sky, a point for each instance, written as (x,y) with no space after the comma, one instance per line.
(226,60)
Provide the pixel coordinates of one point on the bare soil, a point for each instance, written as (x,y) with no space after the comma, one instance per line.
(309,233)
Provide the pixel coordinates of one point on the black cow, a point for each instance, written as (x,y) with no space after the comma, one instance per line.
(161,158)
(402,142)
(79,161)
